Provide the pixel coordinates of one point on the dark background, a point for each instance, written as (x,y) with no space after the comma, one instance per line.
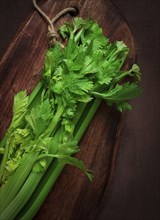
(136,187)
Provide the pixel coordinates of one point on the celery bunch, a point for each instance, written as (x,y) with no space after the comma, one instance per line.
(48,124)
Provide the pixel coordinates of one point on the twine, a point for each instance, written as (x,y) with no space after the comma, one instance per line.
(52,33)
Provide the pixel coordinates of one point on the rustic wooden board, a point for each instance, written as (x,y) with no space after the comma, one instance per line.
(73,196)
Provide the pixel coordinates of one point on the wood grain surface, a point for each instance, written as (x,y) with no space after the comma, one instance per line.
(73,196)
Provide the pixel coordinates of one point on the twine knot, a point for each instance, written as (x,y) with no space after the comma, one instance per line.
(52,35)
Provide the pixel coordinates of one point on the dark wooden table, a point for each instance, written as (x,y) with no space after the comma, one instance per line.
(136,187)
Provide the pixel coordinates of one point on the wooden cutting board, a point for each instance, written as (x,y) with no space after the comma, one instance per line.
(73,196)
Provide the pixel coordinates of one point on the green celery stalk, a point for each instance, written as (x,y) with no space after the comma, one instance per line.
(19,196)
(9,191)
(38,198)
(31,182)
(35,93)
(54,171)
(54,122)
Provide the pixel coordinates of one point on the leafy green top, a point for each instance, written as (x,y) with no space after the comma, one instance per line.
(89,66)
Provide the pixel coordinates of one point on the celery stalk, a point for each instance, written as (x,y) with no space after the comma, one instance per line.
(9,190)
(25,192)
(54,171)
